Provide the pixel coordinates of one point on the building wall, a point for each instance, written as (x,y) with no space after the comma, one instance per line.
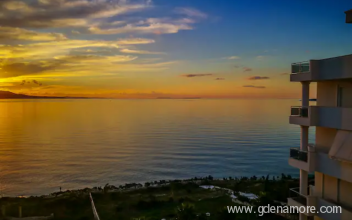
(345,193)
(332,68)
(334,168)
(318,190)
(333,189)
(347,94)
(329,188)
(324,138)
(326,186)
(327,93)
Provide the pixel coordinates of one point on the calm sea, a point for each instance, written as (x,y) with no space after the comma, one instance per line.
(47,144)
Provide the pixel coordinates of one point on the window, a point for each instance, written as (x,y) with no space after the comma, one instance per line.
(339,96)
(338,190)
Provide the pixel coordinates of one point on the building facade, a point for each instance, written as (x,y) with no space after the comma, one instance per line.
(330,157)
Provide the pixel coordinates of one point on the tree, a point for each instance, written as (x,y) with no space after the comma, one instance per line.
(106,188)
(266,183)
(186,212)
(237,186)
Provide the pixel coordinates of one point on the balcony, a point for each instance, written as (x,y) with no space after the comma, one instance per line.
(338,169)
(302,116)
(301,67)
(297,199)
(300,71)
(299,111)
(322,116)
(334,68)
(303,160)
(297,154)
(332,117)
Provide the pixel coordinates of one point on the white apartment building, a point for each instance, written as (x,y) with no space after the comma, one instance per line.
(330,157)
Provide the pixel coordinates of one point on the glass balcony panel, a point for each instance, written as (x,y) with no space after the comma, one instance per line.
(298,154)
(297,196)
(300,67)
(299,111)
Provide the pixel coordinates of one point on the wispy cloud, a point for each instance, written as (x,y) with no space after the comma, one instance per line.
(258,78)
(232,58)
(62,13)
(191,12)
(62,63)
(196,75)
(148,26)
(134,41)
(256,87)
(126,50)
(20,69)
(284,74)
(247,69)
(10,34)
(260,57)
(220,79)
(44,50)
(44,40)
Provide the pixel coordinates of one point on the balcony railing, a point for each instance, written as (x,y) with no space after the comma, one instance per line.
(298,197)
(298,154)
(299,111)
(301,67)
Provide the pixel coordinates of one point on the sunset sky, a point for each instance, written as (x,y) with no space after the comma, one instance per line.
(174,48)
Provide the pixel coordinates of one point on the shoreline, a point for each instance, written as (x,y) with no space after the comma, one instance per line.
(152,184)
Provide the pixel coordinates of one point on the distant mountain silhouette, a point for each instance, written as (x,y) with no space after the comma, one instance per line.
(11,95)
(178,98)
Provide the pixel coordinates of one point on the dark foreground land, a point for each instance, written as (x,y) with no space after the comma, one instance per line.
(182,200)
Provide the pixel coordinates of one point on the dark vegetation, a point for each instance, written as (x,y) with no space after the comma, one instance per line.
(159,199)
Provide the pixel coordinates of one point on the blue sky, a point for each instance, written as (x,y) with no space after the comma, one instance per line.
(284,28)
